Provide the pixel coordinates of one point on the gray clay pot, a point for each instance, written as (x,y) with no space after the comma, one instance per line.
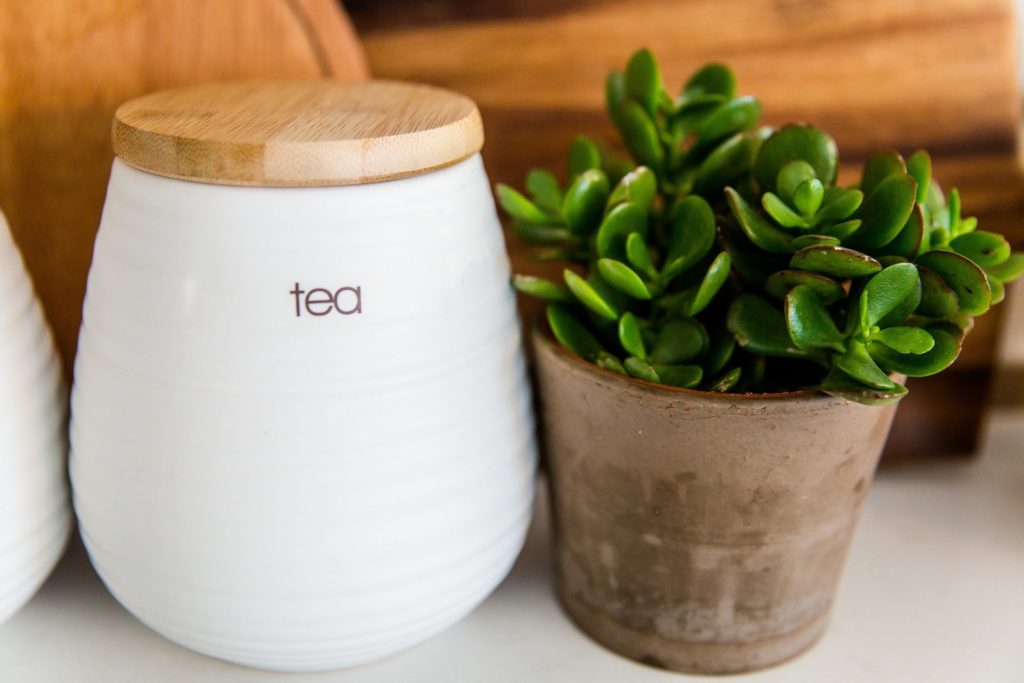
(700,532)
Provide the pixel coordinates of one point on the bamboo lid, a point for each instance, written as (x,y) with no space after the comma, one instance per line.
(297,133)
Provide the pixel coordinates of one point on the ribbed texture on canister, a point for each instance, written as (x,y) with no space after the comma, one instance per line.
(291,491)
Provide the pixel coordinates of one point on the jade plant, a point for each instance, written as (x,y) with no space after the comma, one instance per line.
(726,258)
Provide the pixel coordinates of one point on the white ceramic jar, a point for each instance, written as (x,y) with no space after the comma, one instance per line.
(35,516)
(301,431)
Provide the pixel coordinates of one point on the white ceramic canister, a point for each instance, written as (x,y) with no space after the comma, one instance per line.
(35,517)
(301,429)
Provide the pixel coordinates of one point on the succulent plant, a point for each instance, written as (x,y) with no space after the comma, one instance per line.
(729,260)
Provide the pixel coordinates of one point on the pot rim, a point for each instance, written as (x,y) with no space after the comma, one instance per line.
(542,333)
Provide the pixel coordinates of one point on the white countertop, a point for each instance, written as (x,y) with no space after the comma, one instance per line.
(934,591)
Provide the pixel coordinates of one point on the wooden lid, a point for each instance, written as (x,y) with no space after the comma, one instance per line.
(297,133)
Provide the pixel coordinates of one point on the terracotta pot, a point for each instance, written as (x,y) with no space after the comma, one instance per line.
(700,532)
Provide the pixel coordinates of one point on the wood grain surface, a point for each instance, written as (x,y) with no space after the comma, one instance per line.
(877,74)
(297,133)
(66,65)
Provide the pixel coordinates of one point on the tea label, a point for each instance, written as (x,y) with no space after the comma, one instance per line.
(320,301)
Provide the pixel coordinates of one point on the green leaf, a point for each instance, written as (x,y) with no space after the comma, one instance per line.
(839,206)
(835,261)
(609,362)
(809,323)
(895,287)
(588,296)
(793,175)
(954,211)
(912,340)
(859,365)
(521,208)
(783,215)
(584,201)
(963,276)
(885,212)
(958,326)
(804,241)
(731,117)
(618,300)
(908,242)
(679,341)
(542,288)
(808,197)
(938,300)
(936,238)
(643,79)
(639,256)
(942,354)
(711,79)
(685,376)
(721,346)
(615,97)
(641,370)
(840,231)
(935,207)
(641,136)
(630,337)
(792,143)
(637,187)
(543,186)
(693,235)
(827,289)
(880,166)
(751,264)
(696,299)
(531,233)
(616,227)
(841,385)
(572,333)
(919,165)
(726,382)
(756,227)
(863,317)
(998,290)
(984,248)
(904,309)
(621,277)
(1009,270)
(727,162)
(666,104)
(760,327)
(583,156)
(691,112)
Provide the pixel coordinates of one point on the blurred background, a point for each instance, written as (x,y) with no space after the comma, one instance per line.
(939,74)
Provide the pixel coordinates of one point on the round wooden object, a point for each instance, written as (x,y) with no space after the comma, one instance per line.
(297,133)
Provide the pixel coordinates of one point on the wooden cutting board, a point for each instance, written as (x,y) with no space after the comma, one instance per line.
(66,65)
(876,74)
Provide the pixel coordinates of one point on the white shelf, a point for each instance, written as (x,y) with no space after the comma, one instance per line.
(934,591)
